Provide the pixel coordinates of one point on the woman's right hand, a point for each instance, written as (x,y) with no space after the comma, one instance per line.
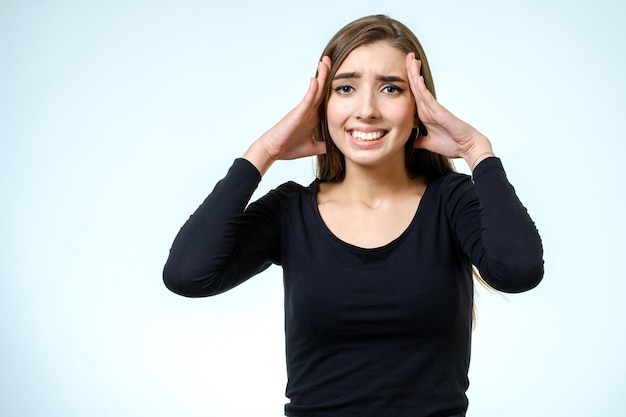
(292,136)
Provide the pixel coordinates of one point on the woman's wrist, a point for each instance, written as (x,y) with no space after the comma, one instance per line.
(479,158)
(257,156)
(480,151)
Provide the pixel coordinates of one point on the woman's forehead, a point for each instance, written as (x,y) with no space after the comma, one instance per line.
(380,57)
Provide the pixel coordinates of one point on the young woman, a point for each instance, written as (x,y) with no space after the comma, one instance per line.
(377,252)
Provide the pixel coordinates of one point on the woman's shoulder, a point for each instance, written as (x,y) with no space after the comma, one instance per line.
(295,189)
(447,184)
(458,184)
(285,194)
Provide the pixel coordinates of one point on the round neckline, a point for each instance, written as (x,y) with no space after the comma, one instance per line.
(352,246)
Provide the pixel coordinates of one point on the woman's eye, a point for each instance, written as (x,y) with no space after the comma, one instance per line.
(392,89)
(344,89)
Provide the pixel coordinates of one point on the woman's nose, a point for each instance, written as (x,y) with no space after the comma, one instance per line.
(367,107)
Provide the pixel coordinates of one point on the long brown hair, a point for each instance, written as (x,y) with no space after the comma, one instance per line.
(364,31)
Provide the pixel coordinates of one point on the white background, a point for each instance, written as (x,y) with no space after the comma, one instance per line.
(118,117)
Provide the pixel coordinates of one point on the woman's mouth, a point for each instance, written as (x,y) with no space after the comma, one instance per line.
(367,136)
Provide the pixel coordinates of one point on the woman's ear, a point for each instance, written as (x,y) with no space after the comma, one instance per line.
(416,121)
(419,127)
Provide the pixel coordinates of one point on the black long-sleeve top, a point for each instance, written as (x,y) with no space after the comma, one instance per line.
(369,332)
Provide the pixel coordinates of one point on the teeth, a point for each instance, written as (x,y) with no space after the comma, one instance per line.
(367,135)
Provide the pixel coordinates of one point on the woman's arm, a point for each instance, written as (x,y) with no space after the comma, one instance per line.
(495,229)
(491,223)
(292,136)
(220,246)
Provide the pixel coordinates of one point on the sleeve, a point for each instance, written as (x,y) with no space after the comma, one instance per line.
(495,229)
(223,244)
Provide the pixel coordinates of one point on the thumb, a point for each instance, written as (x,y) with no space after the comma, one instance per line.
(318,148)
(420,142)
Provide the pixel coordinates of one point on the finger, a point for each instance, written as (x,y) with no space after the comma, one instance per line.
(416,81)
(420,87)
(423,92)
(410,70)
(411,67)
(323,69)
(315,91)
(326,61)
(311,94)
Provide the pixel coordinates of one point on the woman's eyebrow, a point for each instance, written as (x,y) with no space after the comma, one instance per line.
(386,78)
(390,78)
(346,75)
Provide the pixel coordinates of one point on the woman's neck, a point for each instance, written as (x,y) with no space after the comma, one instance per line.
(374,184)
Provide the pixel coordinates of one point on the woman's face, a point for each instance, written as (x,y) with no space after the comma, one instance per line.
(371,109)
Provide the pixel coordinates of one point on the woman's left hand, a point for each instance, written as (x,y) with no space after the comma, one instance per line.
(447,134)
